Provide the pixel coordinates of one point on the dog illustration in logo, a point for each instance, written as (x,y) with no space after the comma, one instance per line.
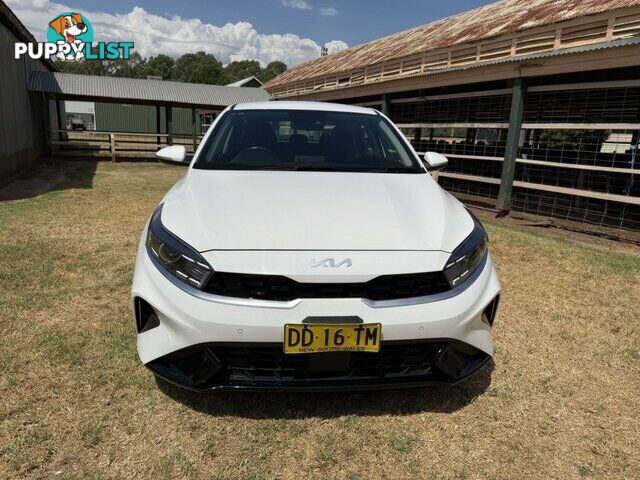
(69,27)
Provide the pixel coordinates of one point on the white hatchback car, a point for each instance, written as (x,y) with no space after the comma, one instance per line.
(308,248)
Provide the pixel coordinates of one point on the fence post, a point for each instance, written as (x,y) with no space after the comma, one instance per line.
(503,203)
(112,147)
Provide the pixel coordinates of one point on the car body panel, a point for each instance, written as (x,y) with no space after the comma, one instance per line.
(273,210)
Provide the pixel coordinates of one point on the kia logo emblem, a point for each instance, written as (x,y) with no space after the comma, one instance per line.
(330,262)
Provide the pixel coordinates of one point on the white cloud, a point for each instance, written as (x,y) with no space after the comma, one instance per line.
(335,46)
(153,34)
(300,4)
(303,5)
(328,11)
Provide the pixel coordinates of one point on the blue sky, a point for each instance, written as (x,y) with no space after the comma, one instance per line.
(357,21)
(265,30)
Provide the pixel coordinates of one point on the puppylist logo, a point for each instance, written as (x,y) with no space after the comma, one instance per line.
(70,38)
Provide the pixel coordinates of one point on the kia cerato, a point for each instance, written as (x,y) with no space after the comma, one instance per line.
(307,247)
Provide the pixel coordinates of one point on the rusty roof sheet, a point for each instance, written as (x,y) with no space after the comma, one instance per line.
(500,18)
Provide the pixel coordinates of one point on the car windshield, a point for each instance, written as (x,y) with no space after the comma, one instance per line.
(306,140)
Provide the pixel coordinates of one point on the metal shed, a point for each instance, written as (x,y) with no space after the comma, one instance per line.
(163,95)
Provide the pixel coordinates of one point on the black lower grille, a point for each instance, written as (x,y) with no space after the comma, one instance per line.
(276,287)
(267,366)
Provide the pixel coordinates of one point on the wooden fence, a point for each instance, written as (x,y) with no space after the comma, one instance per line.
(114,145)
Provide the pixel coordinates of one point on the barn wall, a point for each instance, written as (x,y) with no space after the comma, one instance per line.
(22,134)
(114,117)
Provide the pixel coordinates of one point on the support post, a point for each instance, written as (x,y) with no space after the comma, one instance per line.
(503,203)
(169,121)
(194,124)
(112,146)
(158,129)
(47,123)
(417,137)
(61,126)
(385,105)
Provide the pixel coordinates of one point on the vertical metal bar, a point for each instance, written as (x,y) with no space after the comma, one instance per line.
(193,128)
(503,203)
(158,128)
(169,120)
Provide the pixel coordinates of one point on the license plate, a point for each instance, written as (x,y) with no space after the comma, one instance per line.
(319,337)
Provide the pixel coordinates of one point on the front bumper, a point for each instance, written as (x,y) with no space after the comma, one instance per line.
(207,342)
(264,366)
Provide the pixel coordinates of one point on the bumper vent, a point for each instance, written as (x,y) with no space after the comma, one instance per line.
(146,317)
(274,287)
(489,313)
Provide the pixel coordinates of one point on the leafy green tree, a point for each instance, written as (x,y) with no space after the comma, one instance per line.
(272,71)
(131,68)
(198,67)
(86,67)
(159,66)
(242,69)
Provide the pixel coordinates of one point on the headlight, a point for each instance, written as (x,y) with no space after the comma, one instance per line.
(468,256)
(175,256)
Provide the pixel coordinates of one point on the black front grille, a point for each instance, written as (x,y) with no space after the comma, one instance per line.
(270,366)
(275,287)
(265,366)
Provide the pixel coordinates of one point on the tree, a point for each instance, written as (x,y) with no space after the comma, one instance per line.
(86,67)
(198,67)
(158,66)
(242,69)
(272,71)
(131,68)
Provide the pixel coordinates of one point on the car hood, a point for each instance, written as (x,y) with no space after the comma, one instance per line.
(275,210)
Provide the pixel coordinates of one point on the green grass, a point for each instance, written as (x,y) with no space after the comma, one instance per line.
(561,401)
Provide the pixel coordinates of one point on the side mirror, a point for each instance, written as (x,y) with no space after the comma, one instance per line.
(173,154)
(435,161)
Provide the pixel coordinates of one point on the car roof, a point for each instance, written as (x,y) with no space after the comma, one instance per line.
(313,106)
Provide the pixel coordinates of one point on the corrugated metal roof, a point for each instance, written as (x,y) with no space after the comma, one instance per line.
(135,90)
(519,58)
(500,18)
